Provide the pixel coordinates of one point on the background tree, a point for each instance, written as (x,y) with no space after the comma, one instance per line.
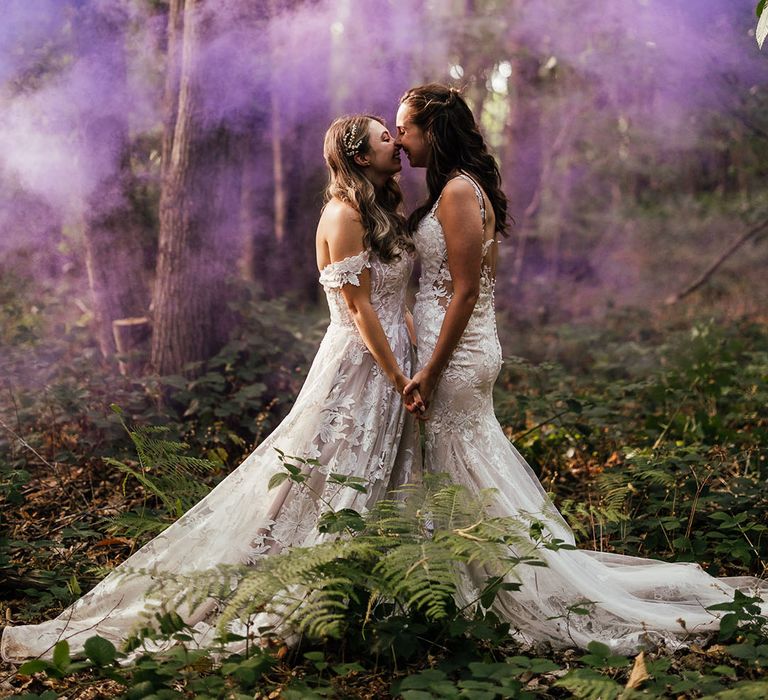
(112,226)
(199,242)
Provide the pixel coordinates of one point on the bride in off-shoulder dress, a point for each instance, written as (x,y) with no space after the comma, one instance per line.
(349,416)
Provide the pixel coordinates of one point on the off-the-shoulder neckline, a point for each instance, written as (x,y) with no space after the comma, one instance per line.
(343,260)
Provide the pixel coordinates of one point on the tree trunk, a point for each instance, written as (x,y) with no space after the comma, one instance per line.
(277,167)
(172,70)
(198,246)
(276,124)
(248,187)
(112,226)
(113,256)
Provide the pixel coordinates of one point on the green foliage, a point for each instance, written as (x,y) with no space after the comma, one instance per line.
(649,438)
(58,435)
(661,455)
(165,472)
(402,555)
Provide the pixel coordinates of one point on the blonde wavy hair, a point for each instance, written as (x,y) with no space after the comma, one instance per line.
(381,211)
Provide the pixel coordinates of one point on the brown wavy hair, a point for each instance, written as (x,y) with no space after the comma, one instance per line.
(381,211)
(455,144)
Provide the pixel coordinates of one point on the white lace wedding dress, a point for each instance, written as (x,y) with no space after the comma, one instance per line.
(634,602)
(348,416)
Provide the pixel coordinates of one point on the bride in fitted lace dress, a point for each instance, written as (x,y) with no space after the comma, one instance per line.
(349,414)
(632,602)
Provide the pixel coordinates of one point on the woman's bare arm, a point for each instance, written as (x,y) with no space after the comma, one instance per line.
(461,220)
(343,234)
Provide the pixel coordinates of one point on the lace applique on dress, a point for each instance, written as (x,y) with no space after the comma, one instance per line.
(632,602)
(347,416)
(347,271)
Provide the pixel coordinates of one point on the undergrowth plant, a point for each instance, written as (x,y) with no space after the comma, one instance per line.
(659,450)
(650,437)
(403,557)
(169,476)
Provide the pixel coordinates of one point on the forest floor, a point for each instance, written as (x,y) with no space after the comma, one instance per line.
(650,433)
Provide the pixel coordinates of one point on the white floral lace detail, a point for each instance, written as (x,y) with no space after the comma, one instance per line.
(347,416)
(633,602)
(346,271)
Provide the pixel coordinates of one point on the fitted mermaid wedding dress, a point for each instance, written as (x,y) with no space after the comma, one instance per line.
(632,602)
(347,416)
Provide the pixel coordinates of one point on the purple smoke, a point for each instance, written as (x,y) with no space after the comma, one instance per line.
(637,69)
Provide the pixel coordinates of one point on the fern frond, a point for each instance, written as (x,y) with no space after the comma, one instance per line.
(586,684)
(409,552)
(164,470)
(422,576)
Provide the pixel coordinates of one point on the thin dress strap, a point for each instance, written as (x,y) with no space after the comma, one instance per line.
(478,193)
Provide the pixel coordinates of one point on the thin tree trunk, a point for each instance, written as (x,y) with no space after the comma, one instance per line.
(249,184)
(198,220)
(277,142)
(113,256)
(535,202)
(112,227)
(277,166)
(172,70)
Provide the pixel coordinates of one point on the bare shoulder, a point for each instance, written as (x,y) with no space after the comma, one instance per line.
(338,212)
(341,229)
(459,208)
(458,192)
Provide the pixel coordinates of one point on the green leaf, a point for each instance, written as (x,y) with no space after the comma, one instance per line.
(34,666)
(340,520)
(574,405)
(748,652)
(143,689)
(99,650)
(61,654)
(277,479)
(599,649)
(543,666)
(422,681)
(725,670)
(344,669)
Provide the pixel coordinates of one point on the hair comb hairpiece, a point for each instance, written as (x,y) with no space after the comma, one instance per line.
(351,143)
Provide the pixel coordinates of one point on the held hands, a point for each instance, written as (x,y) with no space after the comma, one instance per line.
(418,392)
(413,401)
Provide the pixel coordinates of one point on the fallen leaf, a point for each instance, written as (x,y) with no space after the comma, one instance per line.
(639,672)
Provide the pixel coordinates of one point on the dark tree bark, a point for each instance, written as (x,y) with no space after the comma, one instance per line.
(199,232)
(293,137)
(113,228)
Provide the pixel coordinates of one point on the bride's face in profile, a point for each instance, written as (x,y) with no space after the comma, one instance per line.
(411,138)
(383,155)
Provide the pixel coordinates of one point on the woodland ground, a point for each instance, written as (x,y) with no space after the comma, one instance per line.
(649,430)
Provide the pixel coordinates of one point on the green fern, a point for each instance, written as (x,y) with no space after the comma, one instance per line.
(409,552)
(586,684)
(165,472)
(422,576)
(746,690)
